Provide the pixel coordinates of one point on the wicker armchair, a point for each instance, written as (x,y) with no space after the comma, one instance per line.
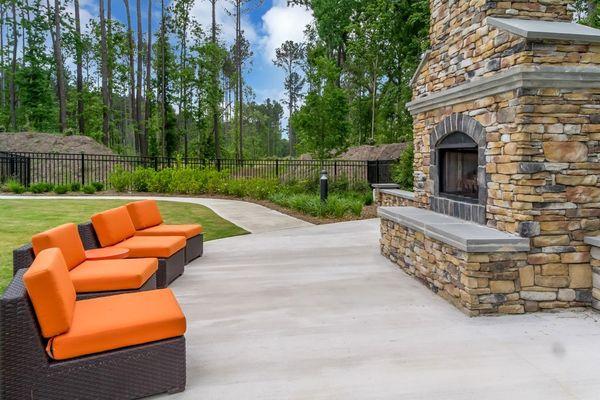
(26,372)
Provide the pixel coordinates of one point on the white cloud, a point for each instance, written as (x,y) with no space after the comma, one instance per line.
(281,23)
(201,11)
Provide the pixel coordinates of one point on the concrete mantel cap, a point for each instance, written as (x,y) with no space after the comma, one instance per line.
(546,30)
(521,76)
(465,236)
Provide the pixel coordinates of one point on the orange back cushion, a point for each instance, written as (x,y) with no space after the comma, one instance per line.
(66,238)
(51,292)
(113,226)
(144,214)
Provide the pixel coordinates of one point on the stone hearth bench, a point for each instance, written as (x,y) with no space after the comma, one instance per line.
(474,267)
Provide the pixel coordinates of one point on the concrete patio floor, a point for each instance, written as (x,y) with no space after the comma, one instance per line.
(317,313)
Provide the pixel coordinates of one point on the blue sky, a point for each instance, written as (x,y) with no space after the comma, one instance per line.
(266,27)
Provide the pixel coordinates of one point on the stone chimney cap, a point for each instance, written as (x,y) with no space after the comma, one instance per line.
(546,30)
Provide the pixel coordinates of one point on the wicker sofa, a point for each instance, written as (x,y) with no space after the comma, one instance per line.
(28,372)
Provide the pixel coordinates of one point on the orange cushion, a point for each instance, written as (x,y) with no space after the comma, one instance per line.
(113,226)
(113,322)
(66,238)
(189,230)
(144,214)
(104,275)
(51,292)
(153,246)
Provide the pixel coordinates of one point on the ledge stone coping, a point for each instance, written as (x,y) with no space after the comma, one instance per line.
(385,186)
(546,30)
(592,240)
(405,194)
(463,235)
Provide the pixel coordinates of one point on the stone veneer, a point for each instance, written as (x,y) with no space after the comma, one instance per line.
(538,104)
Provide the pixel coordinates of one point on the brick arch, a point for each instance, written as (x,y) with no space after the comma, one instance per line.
(473,129)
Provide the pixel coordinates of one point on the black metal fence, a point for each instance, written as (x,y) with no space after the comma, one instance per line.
(63,168)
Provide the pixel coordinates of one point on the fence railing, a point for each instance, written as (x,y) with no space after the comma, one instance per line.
(65,168)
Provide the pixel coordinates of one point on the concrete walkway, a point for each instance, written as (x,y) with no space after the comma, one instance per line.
(252,217)
(316,313)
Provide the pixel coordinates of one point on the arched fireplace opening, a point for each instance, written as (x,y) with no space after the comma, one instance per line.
(457,169)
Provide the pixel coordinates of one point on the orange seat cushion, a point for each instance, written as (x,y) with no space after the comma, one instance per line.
(153,246)
(187,230)
(144,214)
(105,275)
(113,226)
(113,322)
(51,292)
(66,238)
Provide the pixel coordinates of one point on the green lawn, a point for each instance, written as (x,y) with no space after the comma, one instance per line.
(20,219)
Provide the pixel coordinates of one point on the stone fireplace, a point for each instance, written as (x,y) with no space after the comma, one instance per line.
(506,110)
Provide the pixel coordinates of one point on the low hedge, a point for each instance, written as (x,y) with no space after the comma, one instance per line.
(347,198)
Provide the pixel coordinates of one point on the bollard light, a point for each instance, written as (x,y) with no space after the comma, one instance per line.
(324,186)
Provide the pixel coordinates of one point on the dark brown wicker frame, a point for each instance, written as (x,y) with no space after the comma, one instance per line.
(169,269)
(26,372)
(194,248)
(23,258)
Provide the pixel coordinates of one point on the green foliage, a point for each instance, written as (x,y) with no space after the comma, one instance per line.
(89,189)
(99,186)
(75,187)
(141,178)
(346,198)
(120,179)
(61,189)
(41,187)
(15,187)
(402,173)
(336,206)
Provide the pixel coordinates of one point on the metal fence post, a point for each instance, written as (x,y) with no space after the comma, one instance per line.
(28,172)
(155,163)
(82,169)
(218,164)
(277,168)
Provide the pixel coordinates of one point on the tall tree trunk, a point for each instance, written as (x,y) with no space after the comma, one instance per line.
(109,61)
(60,77)
(240,82)
(215,106)
(290,131)
(104,73)
(163,76)
(183,103)
(12,85)
(2,70)
(136,137)
(140,69)
(79,62)
(148,73)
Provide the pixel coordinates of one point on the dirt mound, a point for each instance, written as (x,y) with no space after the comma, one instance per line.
(380,152)
(50,143)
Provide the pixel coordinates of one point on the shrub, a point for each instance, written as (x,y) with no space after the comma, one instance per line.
(89,189)
(402,173)
(99,186)
(337,206)
(120,179)
(161,180)
(75,187)
(141,179)
(15,187)
(41,187)
(61,189)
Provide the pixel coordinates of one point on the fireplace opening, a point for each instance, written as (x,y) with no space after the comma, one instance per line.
(458,164)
